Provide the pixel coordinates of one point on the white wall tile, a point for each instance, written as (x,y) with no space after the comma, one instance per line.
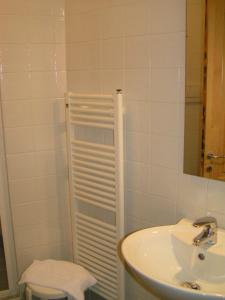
(150,208)
(19,139)
(22,191)
(41,29)
(112,54)
(164,151)
(80,6)
(166,16)
(90,27)
(84,81)
(219,217)
(32,71)
(53,250)
(14,29)
(16,85)
(14,58)
(38,189)
(169,79)
(51,187)
(47,112)
(192,197)
(45,211)
(137,204)
(23,215)
(50,162)
(49,137)
(58,8)
(136,84)
(111,80)
(215,196)
(112,22)
(40,234)
(136,176)
(59,29)
(164,118)
(167,50)
(136,18)
(136,52)
(60,57)
(13,7)
(133,224)
(137,147)
(84,55)
(163,182)
(124,2)
(48,84)
(42,57)
(137,116)
(162,211)
(41,7)
(20,166)
(46,7)
(17,113)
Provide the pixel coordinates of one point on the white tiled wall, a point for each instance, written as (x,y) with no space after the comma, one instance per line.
(33,81)
(136,45)
(139,46)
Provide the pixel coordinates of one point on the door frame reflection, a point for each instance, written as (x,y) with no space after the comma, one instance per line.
(6,221)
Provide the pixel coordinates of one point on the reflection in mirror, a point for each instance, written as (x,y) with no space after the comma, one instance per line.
(204,144)
(3,271)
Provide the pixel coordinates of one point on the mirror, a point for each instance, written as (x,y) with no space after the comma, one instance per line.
(204,144)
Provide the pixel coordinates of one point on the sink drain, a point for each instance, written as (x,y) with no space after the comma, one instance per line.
(191,285)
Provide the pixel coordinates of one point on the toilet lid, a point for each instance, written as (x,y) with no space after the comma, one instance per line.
(43,292)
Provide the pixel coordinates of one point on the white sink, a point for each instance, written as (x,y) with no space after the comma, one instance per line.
(165,258)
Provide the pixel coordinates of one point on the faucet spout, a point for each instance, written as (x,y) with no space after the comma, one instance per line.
(208,236)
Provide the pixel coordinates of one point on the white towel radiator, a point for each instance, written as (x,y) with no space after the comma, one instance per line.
(95,151)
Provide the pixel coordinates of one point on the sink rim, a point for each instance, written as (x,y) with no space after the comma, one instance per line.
(156,280)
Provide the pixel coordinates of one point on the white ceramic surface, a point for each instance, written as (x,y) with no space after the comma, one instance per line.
(164,258)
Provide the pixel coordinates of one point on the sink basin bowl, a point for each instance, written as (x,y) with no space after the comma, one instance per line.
(165,259)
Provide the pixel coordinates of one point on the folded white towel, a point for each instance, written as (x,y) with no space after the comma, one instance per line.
(62,275)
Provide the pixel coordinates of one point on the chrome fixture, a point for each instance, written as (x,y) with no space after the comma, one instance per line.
(213,156)
(191,285)
(208,236)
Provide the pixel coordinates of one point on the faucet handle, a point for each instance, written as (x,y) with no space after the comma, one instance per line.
(210,221)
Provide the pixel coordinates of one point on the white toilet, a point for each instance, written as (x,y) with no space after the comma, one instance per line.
(43,293)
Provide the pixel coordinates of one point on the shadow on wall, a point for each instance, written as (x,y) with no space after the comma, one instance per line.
(61,169)
(3,272)
(89,295)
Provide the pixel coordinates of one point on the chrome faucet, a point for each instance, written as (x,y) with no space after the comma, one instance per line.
(208,236)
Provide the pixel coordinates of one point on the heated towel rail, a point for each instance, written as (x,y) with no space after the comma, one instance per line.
(95,154)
